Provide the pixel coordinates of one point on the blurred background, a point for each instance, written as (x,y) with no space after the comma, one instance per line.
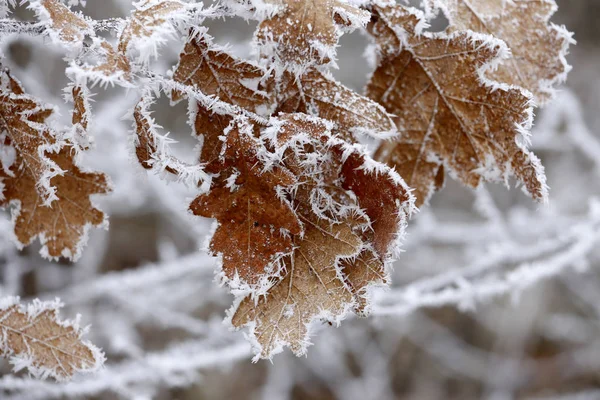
(493,298)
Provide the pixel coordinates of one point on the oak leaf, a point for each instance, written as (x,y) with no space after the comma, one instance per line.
(153,152)
(319,94)
(311,289)
(538,47)
(33,337)
(149,21)
(61,220)
(65,25)
(307,31)
(337,165)
(62,226)
(23,120)
(255,221)
(448,113)
(213,71)
(333,263)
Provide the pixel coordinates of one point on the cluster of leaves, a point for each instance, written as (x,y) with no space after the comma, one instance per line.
(307,221)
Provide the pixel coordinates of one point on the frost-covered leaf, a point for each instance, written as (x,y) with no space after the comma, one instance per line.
(383,195)
(65,26)
(334,262)
(152,149)
(317,93)
(538,47)
(254,220)
(33,337)
(338,166)
(62,226)
(149,25)
(81,116)
(23,121)
(312,288)
(210,69)
(307,31)
(360,273)
(62,220)
(448,113)
(111,68)
(209,127)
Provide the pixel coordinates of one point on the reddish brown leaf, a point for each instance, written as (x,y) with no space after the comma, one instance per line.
(62,226)
(538,47)
(318,94)
(307,31)
(447,113)
(214,72)
(254,221)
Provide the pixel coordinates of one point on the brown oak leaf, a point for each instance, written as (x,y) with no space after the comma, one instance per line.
(255,222)
(311,289)
(209,126)
(362,273)
(34,336)
(384,196)
(62,226)
(23,119)
(338,167)
(307,31)
(215,72)
(68,26)
(146,19)
(447,113)
(317,93)
(80,118)
(115,66)
(538,47)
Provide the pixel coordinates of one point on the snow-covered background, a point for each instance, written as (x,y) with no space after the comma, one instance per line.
(493,298)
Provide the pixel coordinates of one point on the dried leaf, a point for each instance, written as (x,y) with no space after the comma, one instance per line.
(66,25)
(306,31)
(333,263)
(81,116)
(33,337)
(318,94)
(383,195)
(62,227)
(448,114)
(208,68)
(115,66)
(150,17)
(23,118)
(254,220)
(50,193)
(342,168)
(152,150)
(209,126)
(361,273)
(312,289)
(538,47)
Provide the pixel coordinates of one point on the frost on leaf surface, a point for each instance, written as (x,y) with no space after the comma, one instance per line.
(65,25)
(148,25)
(448,114)
(311,289)
(538,47)
(317,93)
(306,32)
(23,126)
(210,69)
(334,262)
(33,337)
(255,222)
(62,223)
